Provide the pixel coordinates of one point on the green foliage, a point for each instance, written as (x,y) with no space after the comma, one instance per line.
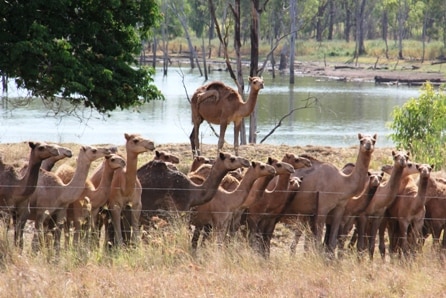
(419,125)
(83,51)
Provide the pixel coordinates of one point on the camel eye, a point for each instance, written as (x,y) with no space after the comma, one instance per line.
(94,150)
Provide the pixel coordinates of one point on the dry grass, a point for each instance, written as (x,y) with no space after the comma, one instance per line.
(162,266)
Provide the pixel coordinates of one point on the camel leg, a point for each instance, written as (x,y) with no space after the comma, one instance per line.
(116,221)
(136,214)
(403,227)
(361,228)
(21,218)
(382,243)
(221,138)
(196,237)
(194,142)
(373,231)
(237,127)
(334,228)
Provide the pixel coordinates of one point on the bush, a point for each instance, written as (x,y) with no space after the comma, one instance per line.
(419,126)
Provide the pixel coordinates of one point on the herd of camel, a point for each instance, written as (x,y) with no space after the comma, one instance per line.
(223,193)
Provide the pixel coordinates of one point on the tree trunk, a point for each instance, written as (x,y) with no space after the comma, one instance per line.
(347,21)
(360,48)
(320,20)
(385,25)
(331,19)
(401,21)
(293,30)
(255,16)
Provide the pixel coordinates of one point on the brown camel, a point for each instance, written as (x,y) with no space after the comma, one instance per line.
(218,211)
(325,190)
(166,190)
(52,197)
(355,206)
(229,182)
(407,211)
(220,104)
(383,198)
(79,214)
(16,188)
(257,191)
(263,215)
(435,218)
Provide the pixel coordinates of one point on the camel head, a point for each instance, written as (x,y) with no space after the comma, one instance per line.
(400,158)
(232,162)
(137,144)
(281,168)
(410,169)
(41,150)
(256,83)
(425,170)
(367,143)
(375,178)
(93,153)
(115,161)
(166,157)
(294,184)
(298,162)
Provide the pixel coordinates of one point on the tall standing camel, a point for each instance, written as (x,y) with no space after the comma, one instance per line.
(382,199)
(220,104)
(52,197)
(435,218)
(326,190)
(407,211)
(218,211)
(16,188)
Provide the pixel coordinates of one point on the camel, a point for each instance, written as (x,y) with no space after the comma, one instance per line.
(384,196)
(264,214)
(218,211)
(435,218)
(356,206)
(52,197)
(126,189)
(229,182)
(79,213)
(16,188)
(325,190)
(257,191)
(407,211)
(167,190)
(220,104)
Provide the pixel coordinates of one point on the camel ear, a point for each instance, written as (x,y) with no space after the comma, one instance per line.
(375,136)
(126,136)
(253,164)
(157,153)
(359,136)
(222,156)
(32,145)
(270,161)
(250,79)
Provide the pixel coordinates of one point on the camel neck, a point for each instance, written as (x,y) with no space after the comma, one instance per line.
(422,189)
(130,173)
(210,186)
(77,183)
(29,180)
(250,102)
(103,188)
(393,184)
(282,183)
(240,194)
(257,190)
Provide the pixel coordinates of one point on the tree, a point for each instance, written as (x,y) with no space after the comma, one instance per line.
(419,126)
(82,51)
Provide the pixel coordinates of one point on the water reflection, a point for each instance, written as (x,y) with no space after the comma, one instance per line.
(346,109)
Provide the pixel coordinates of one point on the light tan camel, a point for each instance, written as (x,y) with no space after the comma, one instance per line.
(52,197)
(325,190)
(79,214)
(218,211)
(220,104)
(16,188)
(407,213)
(383,198)
(126,189)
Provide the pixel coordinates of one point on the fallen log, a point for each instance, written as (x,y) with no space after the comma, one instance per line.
(409,82)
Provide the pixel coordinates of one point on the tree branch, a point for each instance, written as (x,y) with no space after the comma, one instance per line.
(310,103)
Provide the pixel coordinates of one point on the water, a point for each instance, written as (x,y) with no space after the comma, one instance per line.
(346,108)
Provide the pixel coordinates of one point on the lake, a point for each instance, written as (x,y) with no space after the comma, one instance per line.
(346,108)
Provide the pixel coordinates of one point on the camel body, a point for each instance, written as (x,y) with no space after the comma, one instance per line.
(384,196)
(218,211)
(220,104)
(435,218)
(326,190)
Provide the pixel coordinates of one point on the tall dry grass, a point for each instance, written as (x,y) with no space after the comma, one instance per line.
(162,265)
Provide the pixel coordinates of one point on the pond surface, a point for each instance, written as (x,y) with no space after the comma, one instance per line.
(346,108)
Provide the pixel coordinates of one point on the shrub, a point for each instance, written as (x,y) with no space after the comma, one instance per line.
(419,125)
